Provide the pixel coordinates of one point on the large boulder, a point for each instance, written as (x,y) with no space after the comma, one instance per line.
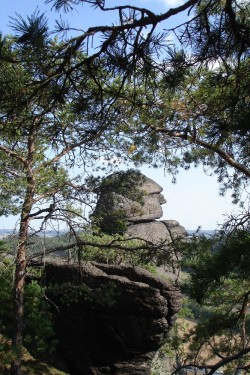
(150,207)
(127,197)
(158,232)
(109,319)
(130,202)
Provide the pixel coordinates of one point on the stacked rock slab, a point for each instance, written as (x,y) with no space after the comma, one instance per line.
(112,319)
(142,216)
(109,320)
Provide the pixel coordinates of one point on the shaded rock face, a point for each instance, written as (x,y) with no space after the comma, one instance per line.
(109,319)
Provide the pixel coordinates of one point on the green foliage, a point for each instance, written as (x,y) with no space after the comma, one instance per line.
(219,281)
(61,108)
(213,324)
(220,31)
(113,221)
(194,310)
(115,249)
(173,349)
(39,336)
(6,278)
(202,122)
(33,32)
(30,366)
(217,261)
(125,183)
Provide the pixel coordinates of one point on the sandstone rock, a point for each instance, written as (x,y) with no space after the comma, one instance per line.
(157,232)
(175,229)
(109,319)
(138,216)
(116,200)
(117,326)
(150,209)
(154,231)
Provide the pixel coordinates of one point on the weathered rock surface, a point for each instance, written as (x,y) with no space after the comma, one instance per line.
(146,207)
(150,208)
(140,216)
(157,232)
(109,319)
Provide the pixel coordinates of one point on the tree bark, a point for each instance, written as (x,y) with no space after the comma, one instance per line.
(18,297)
(21,259)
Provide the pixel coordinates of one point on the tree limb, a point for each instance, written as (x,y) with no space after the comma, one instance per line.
(209,146)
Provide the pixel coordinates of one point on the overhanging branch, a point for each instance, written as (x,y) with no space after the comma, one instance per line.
(208,146)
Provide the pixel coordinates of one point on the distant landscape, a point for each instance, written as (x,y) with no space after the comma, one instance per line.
(53,233)
(48,233)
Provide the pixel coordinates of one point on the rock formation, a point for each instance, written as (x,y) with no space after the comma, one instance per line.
(139,211)
(109,319)
(112,319)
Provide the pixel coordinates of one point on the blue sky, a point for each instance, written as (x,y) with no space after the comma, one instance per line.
(84,16)
(195,199)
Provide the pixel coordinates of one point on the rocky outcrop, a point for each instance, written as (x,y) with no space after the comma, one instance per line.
(109,319)
(132,195)
(140,211)
(150,206)
(157,232)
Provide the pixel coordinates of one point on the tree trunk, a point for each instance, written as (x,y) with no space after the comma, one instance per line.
(18,297)
(21,261)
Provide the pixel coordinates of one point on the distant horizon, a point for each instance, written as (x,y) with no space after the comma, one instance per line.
(9,230)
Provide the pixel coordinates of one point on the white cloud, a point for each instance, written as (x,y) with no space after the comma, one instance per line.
(171,3)
(166,3)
